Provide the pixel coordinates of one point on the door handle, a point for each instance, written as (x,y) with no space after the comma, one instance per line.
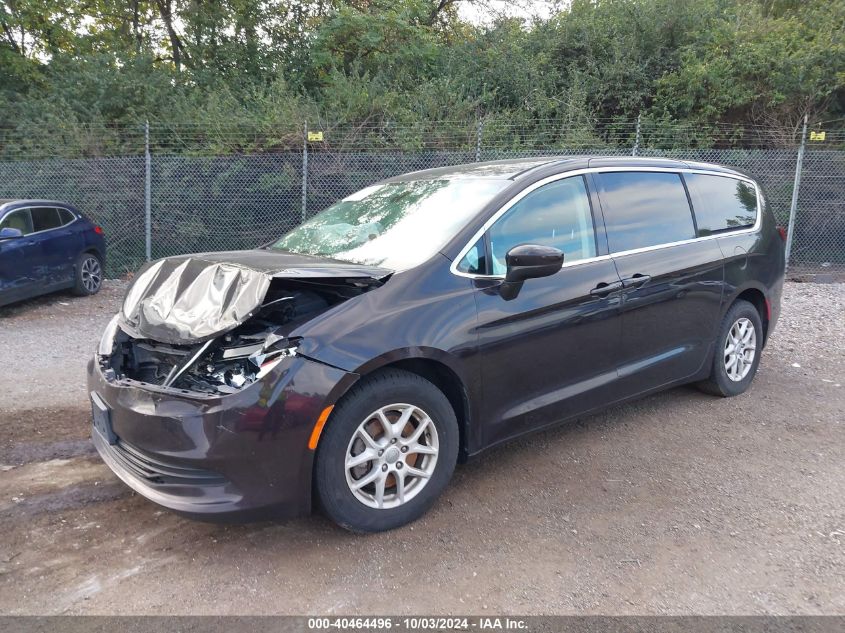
(636,281)
(604,288)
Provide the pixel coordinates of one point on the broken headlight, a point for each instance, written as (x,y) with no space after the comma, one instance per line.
(221,365)
(267,360)
(234,362)
(106,346)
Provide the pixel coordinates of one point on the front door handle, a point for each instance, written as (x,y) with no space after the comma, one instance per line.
(636,281)
(604,288)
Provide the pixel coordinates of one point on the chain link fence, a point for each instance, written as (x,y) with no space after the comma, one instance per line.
(818,239)
(109,190)
(223,202)
(171,189)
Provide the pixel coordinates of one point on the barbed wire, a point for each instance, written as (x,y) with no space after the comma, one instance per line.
(29,141)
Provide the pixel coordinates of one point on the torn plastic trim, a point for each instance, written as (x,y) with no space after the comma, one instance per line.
(228,361)
(219,366)
(264,363)
(322,362)
(178,370)
(106,345)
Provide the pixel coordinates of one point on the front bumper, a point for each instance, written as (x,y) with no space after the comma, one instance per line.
(236,457)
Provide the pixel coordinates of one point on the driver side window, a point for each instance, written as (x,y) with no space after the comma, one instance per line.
(20,219)
(557,214)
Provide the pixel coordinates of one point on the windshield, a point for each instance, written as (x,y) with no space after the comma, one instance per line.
(395,225)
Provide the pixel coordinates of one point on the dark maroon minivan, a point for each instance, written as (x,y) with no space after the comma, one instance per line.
(424,319)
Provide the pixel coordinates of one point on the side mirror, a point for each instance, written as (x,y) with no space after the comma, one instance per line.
(9,233)
(528,261)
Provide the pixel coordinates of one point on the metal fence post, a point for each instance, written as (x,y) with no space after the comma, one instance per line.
(637,138)
(148,216)
(479,128)
(793,207)
(304,170)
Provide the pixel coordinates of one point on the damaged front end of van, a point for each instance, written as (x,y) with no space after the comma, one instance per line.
(201,400)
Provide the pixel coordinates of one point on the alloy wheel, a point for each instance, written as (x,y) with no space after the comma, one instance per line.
(92,274)
(391,456)
(740,349)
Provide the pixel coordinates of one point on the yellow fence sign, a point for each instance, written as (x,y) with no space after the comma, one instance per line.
(315,136)
(817,136)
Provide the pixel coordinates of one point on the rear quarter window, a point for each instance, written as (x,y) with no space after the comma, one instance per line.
(643,209)
(66,216)
(722,203)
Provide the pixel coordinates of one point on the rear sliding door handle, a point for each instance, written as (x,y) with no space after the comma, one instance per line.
(636,281)
(604,288)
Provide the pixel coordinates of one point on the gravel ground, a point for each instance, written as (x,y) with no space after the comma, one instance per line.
(58,332)
(677,504)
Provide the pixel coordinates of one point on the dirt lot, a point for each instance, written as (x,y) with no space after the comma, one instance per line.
(681,503)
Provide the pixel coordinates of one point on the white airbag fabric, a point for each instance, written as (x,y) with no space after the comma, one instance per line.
(192,300)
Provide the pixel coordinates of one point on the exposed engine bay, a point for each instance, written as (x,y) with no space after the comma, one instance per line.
(237,358)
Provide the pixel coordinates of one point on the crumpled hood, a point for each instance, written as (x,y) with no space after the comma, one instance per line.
(193,298)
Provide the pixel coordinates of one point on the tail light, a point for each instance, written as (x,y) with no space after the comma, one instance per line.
(782,232)
(98,229)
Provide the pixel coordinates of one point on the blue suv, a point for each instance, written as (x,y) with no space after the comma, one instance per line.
(47,246)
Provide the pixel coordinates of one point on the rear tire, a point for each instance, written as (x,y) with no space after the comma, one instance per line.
(737,354)
(387,452)
(88,275)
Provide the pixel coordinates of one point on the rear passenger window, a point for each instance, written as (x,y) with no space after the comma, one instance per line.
(44,218)
(66,216)
(644,209)
(722,203)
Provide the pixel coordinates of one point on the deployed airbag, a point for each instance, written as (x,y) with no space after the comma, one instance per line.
(191,300)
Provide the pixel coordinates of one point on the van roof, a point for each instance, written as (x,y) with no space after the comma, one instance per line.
(516,169)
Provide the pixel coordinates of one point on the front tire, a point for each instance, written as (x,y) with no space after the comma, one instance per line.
(88,272)
(737,354)
(387,452)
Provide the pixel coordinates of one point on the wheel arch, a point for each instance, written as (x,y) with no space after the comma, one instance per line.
(439,368)
(447,381)
(90,250)
(93,250)
(756,296)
